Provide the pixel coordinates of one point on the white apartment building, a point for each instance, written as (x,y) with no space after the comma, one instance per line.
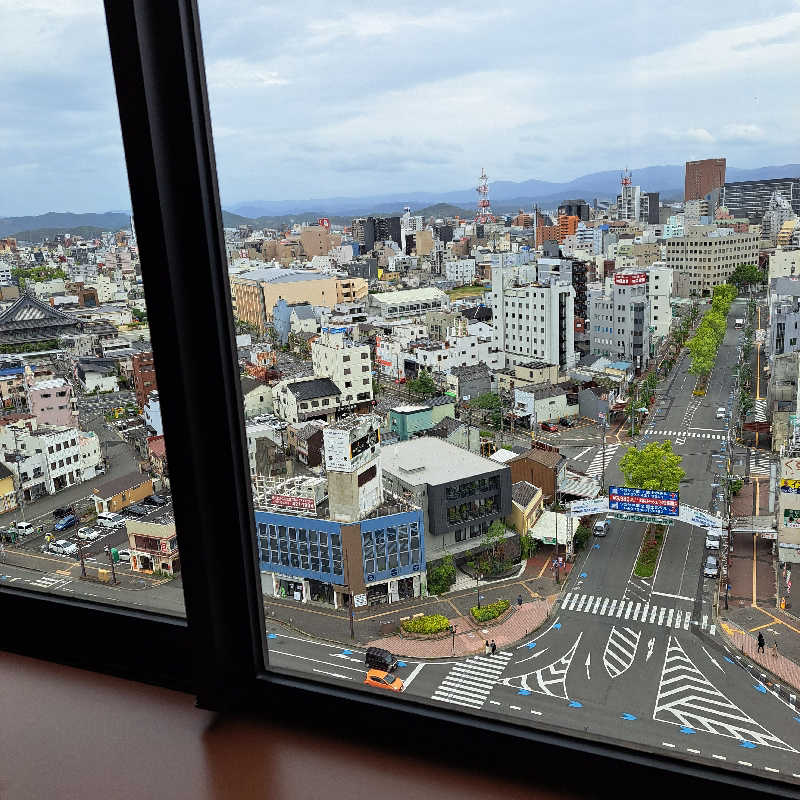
(460,270)
(708,256)
(532,321)
(696,212)
(784,263)
(91,457)
(660,290)
(5,273)
(334,355)
(674,226)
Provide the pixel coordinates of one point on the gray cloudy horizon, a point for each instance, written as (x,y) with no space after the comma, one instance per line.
(316,101)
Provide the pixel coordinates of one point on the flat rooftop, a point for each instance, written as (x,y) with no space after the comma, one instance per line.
(432,460)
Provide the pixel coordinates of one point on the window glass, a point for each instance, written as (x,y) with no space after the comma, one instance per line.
(75,327)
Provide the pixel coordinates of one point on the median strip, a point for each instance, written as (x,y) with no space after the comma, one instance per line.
(648,551)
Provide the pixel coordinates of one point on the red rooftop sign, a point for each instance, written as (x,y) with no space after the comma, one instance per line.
(630,279)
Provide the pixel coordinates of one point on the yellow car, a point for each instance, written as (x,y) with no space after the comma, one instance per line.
(383,680)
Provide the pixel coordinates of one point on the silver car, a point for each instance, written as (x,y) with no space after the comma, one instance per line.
(711,569)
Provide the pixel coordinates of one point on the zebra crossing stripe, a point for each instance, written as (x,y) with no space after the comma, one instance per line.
(603,609)
(566,599)
(581,602)
(661,615)
(653,613)
(644,612)
(596,605)
(686,622)
(669,617)
(678,618)
(613,605)
(572,604)
(636,612)
(470,682)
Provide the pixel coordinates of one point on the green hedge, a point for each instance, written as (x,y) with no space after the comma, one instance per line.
(442,576)
(431,623)
(492,611)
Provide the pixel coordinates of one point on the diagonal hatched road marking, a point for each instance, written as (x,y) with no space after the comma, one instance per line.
(620,650)
(550,679)
(687,698)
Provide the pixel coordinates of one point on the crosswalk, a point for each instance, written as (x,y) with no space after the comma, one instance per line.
(620,650)
(685,434)
(469,683)
(759,463)
(632,611)
(50,582)
(597,466)
(688,699)
(760,409)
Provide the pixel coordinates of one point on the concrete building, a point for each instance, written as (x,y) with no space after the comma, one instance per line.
(257,397)
(120,493)
(709,256)
(460,493)
(337,356)
(306,399)
(91,458)
(152,414)
(784,263)
(469,382)
(620,319)
(532,320)
(703,177)
(527,373)
(97,374)
(784,316)
(460,270)
(537,405)
(660,291)
(153,546)
(52,403)
(407,303)
(779,211)
(751,198)
(144,376)
(8,492)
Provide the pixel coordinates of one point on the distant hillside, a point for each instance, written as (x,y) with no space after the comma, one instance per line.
(65,222)
(37,235)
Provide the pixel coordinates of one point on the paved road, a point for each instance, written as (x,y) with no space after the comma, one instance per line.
(624,659)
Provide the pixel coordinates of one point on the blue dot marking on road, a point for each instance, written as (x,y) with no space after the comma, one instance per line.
(687,729)
(596,547)
(272,636)
(524,692)
(557,626)
(797,719)
(627,716)
(582,575)
(347,652)
(575,704)
(530,645)
(729,660)
(759,687)
(402,664)
(748,745)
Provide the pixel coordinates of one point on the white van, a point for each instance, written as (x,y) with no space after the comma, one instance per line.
(110,520)
(601,527)
(24,527)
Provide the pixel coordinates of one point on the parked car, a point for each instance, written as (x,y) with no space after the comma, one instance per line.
(124,555)
(549,426)
(567,422)
(378,658)
(66,522)
(711,569)
(601,527)
(88,534)
(721,413)
(24,528)
(108,519)
(383,680)
(63,548)
(62,512)
(712,541)
(155,500)
(138,510)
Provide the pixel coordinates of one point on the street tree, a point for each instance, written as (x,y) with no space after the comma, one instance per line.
(423,384)
(746,274)
(488,401)
(654,466)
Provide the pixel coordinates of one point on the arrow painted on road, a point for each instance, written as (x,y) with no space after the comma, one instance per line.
(628,717)
(583,575)
(650,646)
(530,645)
(402,664)
(557,626)
(729,660)
(687,729)
(748,745)
(588,662)
(524,692)
(575,704)
(347,652)
(596,547)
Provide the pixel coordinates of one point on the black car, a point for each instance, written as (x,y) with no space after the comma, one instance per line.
(567,422)
(155,500)
(378,658)
(62,512)
(137,510)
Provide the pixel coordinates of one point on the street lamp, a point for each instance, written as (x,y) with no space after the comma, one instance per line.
(478,578)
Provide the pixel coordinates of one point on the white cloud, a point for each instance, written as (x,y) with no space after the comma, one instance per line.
(236,73)
(742,132)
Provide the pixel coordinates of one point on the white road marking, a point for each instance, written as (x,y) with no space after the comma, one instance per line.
(669,618)
(771,769)
(413,674)
(603,609)
(661,615)
(667,744)
(692,750)
(516,708)
(745,763)
(333,674)
(713,660)
(721,758)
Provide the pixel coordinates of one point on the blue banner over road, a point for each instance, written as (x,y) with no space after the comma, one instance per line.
(643,501)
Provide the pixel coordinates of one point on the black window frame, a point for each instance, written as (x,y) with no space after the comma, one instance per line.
(217,652)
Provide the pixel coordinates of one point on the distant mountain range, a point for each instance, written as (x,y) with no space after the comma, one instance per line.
(506,196)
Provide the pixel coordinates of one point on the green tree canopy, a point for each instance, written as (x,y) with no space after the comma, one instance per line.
(423,384)
(746,274)
(488,400)
(654,466)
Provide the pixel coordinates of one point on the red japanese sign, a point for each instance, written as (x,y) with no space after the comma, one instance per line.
(324,222)
(630,279)
(293,502)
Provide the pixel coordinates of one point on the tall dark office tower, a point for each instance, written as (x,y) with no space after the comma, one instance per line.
(703,177)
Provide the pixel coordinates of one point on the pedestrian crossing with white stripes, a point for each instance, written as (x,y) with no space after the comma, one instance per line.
(686,434)
(760,409)
(469,683)
(759,463)
(597,466)
(50,582)
(632,611)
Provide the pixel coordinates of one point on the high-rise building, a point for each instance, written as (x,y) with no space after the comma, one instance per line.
(144,376)
(652,201)
(751,198)
(575,208)
(703,177)
(363,231)
(567,226)
(388,229)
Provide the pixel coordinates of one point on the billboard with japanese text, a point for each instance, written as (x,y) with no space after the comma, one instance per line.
(630,279)
(643,501)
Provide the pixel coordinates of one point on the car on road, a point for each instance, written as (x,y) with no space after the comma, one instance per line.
(24,528)
(124,555)
(88,534)
(378,658)
(721,412)
(567,422)
(549,426)
(712,541)
(62,547)
(601,527)
(66,522)
(155,500)
(380,679)
(711,568)
(137,510)
(108,519)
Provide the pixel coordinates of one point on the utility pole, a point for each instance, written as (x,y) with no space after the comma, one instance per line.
(111,560)
(80,556)
(604,421)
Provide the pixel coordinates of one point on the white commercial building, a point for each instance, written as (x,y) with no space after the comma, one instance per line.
(460,270)
(408,302)
(660,292)
(336,356)
(784,263)
(532,321)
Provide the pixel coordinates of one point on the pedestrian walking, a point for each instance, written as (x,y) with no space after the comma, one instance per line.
(486,649)
(760,642)
(494,647)
(519,600)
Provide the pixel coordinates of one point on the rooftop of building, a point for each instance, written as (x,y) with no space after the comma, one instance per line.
(248,384)
(409,295)
(310,389)
(431,460)
(353,421)
(49,383)
(548,458)
(280,275)
(113,487)
(522,492)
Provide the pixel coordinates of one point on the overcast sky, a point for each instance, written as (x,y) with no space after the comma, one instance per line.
(318,99)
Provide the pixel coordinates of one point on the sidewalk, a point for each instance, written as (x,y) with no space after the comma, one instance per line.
(772,660)
(469,639)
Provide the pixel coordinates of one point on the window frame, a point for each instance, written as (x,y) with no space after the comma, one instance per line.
(217,652)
